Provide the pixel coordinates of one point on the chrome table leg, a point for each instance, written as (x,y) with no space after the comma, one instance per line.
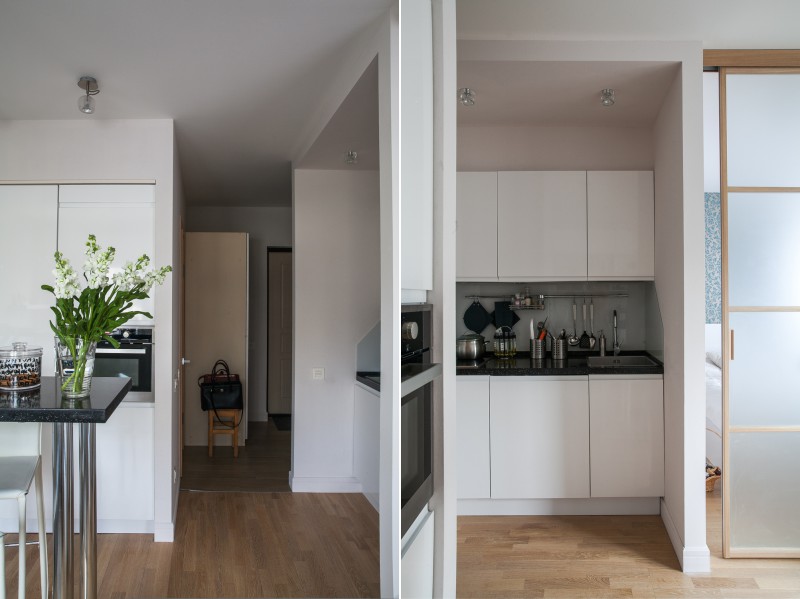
(63,519)
(88,511)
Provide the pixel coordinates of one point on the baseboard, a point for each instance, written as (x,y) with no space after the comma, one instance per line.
(692,559)
(104,526)
(164,532)
(596,506)
(319,484)
(373,499)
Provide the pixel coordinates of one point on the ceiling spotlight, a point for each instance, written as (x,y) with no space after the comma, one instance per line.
(86,102)
(466,96)
(351,157)
(607,97)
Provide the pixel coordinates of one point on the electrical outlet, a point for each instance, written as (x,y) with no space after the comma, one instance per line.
(318,374)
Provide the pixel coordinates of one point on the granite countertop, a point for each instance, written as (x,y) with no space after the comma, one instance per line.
(523,365)
(411,376)
(45,404)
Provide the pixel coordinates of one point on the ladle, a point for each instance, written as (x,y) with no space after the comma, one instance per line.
(573,339)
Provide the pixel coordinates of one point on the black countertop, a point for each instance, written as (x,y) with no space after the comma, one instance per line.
(45,404)
(523,365)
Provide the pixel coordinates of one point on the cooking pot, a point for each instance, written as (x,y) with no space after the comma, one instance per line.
(470,347)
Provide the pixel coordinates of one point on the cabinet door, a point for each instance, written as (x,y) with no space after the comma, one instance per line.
(539,437)
(476,226)
(366,442)
(125,469)
(122,216)
(472,397)
(27,245)
(627,436)
(541,226)
(621,226)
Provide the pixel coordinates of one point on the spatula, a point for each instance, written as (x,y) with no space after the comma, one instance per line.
(584,342)
(592,340)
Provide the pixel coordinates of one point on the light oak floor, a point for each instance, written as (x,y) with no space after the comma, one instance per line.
(609,556)
(263,463)
(239,545)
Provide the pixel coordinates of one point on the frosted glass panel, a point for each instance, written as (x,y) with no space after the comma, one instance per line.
(765,373)
(763,123)
(765,485)
(764,249)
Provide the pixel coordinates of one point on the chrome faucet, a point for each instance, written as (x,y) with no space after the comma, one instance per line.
(616,339)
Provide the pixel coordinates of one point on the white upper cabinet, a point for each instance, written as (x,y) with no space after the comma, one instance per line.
(122,216)
(27,245)
(541,232)
(620,225)
(476,226)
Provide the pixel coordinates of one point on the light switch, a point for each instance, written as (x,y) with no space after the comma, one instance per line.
(318,374)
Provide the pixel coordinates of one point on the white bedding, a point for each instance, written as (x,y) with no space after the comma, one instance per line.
(713,395)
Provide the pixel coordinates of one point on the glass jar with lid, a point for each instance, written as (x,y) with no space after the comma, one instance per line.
(20,367)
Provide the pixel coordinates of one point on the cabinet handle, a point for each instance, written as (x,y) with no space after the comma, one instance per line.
(731,345)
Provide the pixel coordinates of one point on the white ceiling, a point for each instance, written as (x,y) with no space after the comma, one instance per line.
(721,24)
(241,79)
(563,93)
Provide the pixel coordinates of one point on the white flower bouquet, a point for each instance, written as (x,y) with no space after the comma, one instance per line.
(84,317)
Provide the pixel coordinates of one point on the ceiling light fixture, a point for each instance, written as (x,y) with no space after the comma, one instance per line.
(351,157)
(86,102)
(466,96)
(607,97)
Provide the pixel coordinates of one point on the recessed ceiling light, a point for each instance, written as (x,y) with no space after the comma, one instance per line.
(466,96)
(607,97)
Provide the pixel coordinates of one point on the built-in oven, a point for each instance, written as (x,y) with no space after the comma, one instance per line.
(133,358)
(416,413)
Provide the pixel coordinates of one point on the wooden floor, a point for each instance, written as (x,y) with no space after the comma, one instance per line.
(262,466)
(609,556)
(240,545)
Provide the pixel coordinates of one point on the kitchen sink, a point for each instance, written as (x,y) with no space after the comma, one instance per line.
(620,362)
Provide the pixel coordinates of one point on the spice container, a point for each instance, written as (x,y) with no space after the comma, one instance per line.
(20,367)
(505,343)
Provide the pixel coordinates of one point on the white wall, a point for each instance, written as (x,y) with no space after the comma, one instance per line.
(91,150)
(679,238)
(336,303)
(554,148)
(711,132)
(267,227)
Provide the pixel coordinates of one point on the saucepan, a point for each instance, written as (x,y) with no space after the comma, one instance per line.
(470,347)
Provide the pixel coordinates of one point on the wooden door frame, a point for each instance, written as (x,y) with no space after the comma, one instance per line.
(276,249)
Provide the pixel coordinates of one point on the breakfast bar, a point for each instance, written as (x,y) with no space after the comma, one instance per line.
(46,405)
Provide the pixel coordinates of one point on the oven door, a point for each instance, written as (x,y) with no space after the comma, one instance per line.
(134,360)
(416,458)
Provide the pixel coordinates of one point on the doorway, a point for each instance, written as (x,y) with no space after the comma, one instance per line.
(279,336)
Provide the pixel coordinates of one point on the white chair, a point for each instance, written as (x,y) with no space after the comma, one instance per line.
(21,464)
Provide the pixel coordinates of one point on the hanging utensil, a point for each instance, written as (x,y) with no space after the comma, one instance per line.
(573,339)
(584,342)
(592,340)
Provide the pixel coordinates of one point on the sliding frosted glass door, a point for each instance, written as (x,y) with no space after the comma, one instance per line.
(761,311)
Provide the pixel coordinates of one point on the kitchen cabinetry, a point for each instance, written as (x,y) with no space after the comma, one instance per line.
(416,559)
(122,216)
(620,225)
(27,245)
(472,397)
(125,470)
(476,226)
(366,442)
(627,435)
(539,431)
(541,228)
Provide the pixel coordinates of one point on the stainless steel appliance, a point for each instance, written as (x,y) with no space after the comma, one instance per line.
(133,358)
(416,416)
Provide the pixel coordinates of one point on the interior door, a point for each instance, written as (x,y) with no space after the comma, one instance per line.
(216,322)
(760,193)
(279,331)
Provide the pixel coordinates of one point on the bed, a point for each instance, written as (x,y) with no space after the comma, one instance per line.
(714,394)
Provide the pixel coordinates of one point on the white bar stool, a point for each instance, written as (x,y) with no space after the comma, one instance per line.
(21,465)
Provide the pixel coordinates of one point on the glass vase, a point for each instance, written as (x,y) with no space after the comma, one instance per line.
(75,365)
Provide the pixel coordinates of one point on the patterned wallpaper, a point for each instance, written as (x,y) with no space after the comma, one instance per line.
(713,259)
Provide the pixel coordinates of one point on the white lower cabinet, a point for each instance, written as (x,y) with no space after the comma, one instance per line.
(627,435)
(472,397)
(125,469)
(539,431)
(366,442)
(416,560)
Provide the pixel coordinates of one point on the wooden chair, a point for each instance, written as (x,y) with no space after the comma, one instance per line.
(224,422)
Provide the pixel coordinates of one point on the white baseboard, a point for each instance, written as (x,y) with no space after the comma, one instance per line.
(164,532)
(597,506)
(373,499)
(319,484)
(692,559)
(103,526)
